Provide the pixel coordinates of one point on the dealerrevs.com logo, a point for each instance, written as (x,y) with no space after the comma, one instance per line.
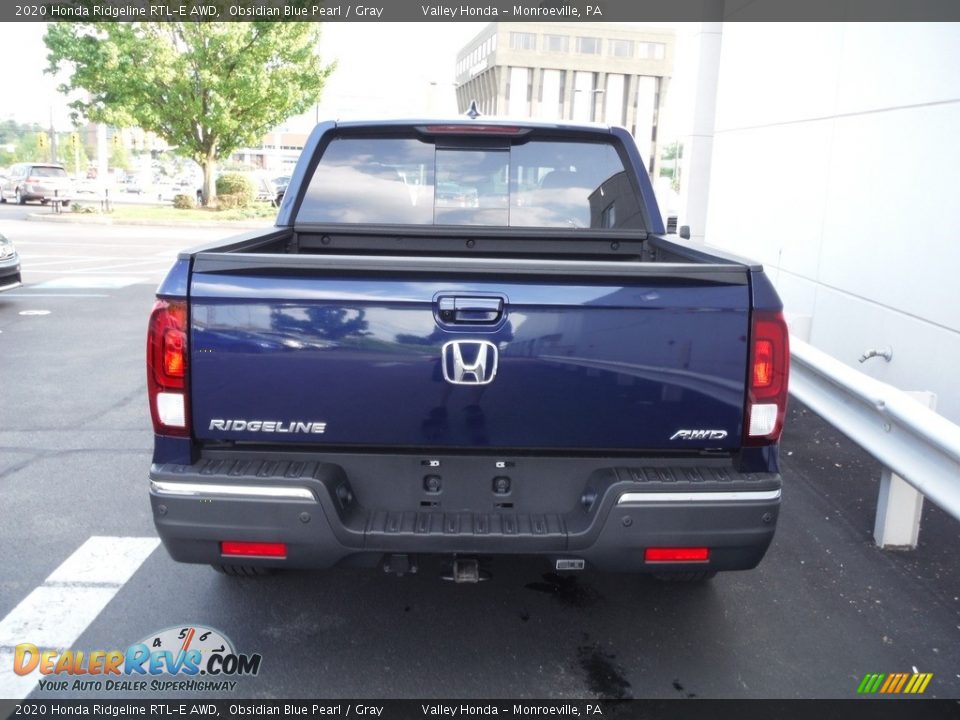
(183,659)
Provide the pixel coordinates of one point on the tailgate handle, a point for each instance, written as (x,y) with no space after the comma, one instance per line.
(485,310)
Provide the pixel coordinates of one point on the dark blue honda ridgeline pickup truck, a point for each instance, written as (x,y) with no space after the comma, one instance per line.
(467,339)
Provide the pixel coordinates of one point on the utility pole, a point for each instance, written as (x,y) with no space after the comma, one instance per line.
(53,138)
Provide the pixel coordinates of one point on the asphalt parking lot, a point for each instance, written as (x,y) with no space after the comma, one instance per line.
(823,609)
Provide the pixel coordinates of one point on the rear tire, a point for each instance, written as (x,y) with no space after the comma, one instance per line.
(693,576)
(20,199)
(244,570)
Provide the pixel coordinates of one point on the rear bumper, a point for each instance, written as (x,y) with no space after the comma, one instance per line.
(326,512)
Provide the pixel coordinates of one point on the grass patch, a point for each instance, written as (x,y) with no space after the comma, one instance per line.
(254,212)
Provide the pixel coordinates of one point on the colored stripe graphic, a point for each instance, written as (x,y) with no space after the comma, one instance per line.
(894,683)
(922,681)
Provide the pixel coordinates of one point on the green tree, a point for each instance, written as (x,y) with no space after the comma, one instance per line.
(29,150)
(76,162)
(22,137)
(206,88)
(119,157)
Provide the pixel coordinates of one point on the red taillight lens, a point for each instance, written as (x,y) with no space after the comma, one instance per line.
(167,367)
(174,344)
(253,549)
(762,363)
(769,370)
(689,554)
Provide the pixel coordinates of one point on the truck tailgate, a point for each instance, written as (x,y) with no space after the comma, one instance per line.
(347,351)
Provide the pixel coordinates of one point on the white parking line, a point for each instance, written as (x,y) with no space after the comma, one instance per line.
(37,261)
(55,614)
(53,295)
(92,282)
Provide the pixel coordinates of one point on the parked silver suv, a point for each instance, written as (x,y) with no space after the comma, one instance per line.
(36,181)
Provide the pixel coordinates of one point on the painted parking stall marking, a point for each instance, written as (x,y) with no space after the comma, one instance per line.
(94,282)
(55,614)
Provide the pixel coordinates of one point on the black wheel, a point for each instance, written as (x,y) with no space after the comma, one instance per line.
(244,570)
(65,203)
(3,198)
(20,198)
(691,576)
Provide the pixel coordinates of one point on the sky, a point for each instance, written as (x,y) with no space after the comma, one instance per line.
(380,66)
(396,69)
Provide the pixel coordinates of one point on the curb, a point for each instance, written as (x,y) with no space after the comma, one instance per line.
(78,219)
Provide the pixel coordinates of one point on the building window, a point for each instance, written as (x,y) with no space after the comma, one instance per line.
(621,48)
(523,41)
(652,51)
(588,45)
(556,43)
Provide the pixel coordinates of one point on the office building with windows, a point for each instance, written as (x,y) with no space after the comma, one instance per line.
(584,72)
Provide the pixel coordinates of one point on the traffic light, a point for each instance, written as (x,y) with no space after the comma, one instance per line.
(42,141)
(116,140)
(74,140)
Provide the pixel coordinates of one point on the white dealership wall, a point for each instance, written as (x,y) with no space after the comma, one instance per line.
(836,163)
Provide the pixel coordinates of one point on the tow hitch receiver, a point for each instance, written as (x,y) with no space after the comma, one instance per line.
(466,570)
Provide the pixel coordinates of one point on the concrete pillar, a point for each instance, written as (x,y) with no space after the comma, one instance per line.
(568,95)
(536,83)
(501,107)
(631,115)
(696,134)
(599,111)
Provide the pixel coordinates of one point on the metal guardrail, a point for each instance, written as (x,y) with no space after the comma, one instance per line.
(913,441)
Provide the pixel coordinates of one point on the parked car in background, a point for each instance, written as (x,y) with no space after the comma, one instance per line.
(9,265)
(134,185)
(281,185)
(36,181)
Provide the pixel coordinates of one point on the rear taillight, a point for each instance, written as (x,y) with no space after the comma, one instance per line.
(769,368)
(167,368)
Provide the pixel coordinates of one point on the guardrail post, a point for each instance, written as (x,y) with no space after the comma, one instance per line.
(899,505)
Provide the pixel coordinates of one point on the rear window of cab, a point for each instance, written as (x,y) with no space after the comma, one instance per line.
(537,183)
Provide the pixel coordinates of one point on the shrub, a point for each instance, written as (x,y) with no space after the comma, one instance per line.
(183,202)
(232,201)
(238,187)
